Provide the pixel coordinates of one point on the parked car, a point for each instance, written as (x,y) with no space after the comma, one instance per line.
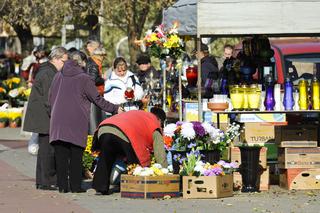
(298,57)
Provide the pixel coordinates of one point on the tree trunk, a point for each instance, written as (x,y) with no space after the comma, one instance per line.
(132,33)
(25,36)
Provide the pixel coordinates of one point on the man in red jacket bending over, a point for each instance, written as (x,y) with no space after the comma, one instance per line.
(134,135)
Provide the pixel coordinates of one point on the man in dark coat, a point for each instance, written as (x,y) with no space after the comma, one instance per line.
(209,72)
(37,118)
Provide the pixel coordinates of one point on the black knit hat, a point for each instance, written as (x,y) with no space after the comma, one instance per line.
(143,59)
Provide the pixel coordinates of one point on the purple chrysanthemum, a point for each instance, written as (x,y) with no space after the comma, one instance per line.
(198,128)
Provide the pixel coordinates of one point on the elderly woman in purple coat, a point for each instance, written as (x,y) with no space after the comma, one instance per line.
(70,95)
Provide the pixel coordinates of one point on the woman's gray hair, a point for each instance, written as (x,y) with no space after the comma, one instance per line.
(79,57)
(57,52)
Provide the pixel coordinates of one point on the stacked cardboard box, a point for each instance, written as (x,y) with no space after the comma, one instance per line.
(299,156)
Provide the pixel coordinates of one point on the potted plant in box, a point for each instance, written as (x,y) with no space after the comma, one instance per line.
(205,180)
(181,137)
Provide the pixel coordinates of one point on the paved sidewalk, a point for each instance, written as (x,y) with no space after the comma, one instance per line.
(17,194)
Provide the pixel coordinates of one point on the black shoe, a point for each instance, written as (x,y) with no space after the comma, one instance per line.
(79,191)
(104,192)
(44,187)
(114,188)
(63,190)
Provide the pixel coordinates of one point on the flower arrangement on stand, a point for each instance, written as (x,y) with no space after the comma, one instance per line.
(89,158)
(160,43)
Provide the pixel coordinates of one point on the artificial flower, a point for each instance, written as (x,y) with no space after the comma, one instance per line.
(161,43)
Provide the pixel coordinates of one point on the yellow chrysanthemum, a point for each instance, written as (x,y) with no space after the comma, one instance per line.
(14,115)
(16,80)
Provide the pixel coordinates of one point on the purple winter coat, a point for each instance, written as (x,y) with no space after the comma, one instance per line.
(70,95)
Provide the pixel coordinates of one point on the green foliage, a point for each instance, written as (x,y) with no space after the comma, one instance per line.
(87,160)
(190,163)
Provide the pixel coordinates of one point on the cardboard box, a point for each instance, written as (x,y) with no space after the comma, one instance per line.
(190,112)
(150,187)
(259,133)
(270,117)
(300,178)
(236,156)
(207,186)
(263,183)
(297,135)
(290,158)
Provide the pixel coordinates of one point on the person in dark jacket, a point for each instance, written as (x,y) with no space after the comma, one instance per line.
(37,117)
(209,71)
(96,54)
(70,95)
(120,135)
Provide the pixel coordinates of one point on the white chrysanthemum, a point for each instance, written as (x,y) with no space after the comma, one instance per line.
(187,131)
(214,133)
(169,129)
(200,167)
(207,127)
(165,170)
(157,165)
(137,171)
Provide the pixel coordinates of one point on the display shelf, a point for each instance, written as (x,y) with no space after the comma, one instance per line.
(263,112)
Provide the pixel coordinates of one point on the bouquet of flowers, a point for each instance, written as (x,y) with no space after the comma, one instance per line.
(161,43)
(203,136)
(193,166)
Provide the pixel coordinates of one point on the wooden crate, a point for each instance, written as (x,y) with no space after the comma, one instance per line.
(300,178)
(150,187)
(236,156)
(207,186)
(263,183)
(300,133)
(290,158)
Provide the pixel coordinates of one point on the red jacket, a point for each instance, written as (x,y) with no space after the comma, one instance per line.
(138,126)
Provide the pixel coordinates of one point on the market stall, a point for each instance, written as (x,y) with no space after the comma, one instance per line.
(218,18)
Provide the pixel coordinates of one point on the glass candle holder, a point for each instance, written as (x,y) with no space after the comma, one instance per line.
(237,98)
(254,96)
